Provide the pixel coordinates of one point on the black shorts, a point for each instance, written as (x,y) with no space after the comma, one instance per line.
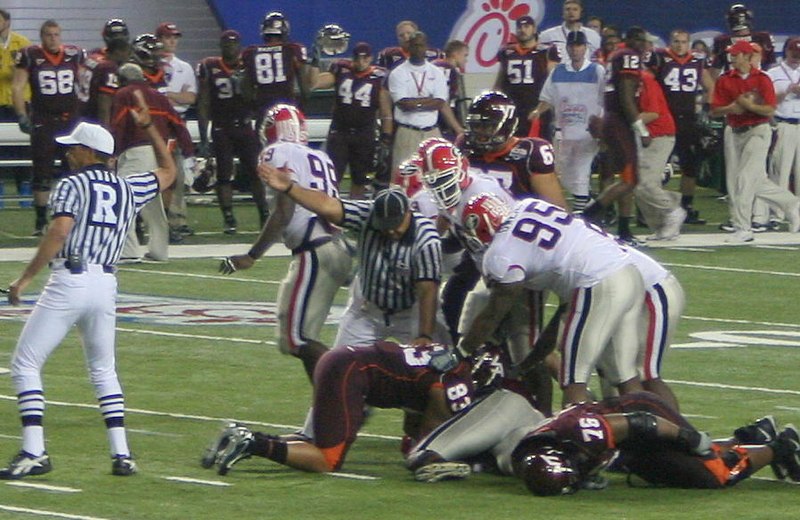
(354,148)
(687,144)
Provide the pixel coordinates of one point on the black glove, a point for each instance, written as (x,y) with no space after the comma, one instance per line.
(383,159)
(25,124)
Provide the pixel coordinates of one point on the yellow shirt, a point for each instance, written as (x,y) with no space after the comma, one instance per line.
(15,43)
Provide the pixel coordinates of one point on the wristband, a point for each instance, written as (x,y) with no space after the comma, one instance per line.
(640,128)
(287,190)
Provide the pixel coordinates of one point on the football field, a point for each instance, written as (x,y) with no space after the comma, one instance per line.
(196,348)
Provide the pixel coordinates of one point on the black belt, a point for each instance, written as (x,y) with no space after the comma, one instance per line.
(417,128)
(789,120)
(79,269)
(745,128)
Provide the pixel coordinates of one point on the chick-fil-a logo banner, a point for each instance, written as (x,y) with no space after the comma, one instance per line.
(488,24)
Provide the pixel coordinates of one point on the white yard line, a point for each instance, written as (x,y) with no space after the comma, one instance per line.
(52,514)
(200,276)
(186,480)
(44,487)
(732,269)
(353,476)
(723,386)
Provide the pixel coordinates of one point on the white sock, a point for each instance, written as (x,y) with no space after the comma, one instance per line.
(118,441)
(33,440)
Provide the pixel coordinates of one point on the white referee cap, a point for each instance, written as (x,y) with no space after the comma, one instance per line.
(91,136)
(388,209)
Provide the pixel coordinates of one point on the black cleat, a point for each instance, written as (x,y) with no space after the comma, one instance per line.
(761,431)
(693,217)
(239,442)
(123,466)
(24,464)
(212,454)
(786,459)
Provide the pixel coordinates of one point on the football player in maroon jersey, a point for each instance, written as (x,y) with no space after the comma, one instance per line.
(740,21)
(351,138)
(51,69)
(346,379)
(622,127)
(220,101)
(103,80)
(272,68)
(146,52)
(682,75)
(523,71)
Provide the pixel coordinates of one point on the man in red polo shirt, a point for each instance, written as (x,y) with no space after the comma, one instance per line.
(746,97)
(661,208)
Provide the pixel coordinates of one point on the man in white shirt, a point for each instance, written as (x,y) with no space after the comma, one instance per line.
(574,91)
(785,158)
(417,90)
(182,94)
(572,14)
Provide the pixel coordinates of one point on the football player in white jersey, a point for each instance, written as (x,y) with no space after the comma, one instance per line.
(540,246)
(320,259)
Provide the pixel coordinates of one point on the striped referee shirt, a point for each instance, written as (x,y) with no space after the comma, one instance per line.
(103,207)
(389,269)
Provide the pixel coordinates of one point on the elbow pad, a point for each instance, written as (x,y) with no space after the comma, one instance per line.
(642,426)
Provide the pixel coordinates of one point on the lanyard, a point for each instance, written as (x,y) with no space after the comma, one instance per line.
(419,84)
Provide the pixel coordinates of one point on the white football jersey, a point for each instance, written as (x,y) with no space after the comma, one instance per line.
(545,247)
(310,169)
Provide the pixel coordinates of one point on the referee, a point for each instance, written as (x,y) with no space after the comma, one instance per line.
(92,210)
(395,293)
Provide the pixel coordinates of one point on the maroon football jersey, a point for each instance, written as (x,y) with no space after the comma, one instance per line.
(680,79)
(357,95)
(514,165)
(623,63)
(226,104)
(390,57)
(157,79)
(524,74)
(53,78)
(103,79)
(722,61)
(272,70)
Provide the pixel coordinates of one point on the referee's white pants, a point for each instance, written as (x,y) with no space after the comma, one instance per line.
(141,159)
(783,163)
(651,197)
(363,323)
(746,176)
(574,163)
(88,299)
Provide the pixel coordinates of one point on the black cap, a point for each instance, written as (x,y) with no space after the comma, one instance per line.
(576,38)
(388,209)
(362,49)
(525,19)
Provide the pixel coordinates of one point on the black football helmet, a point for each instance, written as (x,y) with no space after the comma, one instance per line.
(207,179)
(333,40)
(115,29)
(274,24)
(740,18)
(146,50)
(548,472)
(491,121)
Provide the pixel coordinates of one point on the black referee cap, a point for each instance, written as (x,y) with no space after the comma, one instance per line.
(389,209)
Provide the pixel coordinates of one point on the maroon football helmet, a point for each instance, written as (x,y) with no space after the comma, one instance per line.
(548,472)
(740,18)
(491,122)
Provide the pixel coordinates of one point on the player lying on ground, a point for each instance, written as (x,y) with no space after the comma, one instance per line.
(563,454)
(346,379)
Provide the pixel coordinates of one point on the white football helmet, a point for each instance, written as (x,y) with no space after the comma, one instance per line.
(444,171)
(483,215)
(283,122)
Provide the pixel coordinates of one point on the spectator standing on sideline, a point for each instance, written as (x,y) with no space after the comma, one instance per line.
(746,97)
(10,44)
(574,91)
(51,69)
(351,138)
(572,12)
(220,101)
(134,154)
(320,259)
(784,162)
(456,53)
(682,76)
(417,89)
(92,210)
(523,71)
(182,94)
(395,293)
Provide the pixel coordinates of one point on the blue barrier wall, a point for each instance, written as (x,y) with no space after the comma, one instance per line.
(374,20)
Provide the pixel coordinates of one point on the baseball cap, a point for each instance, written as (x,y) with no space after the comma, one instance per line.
(741,47)
(792,44)
(230,36)
(388,209)
(576,38)
(168,29)
(362,49)
(522,20)
(91,136)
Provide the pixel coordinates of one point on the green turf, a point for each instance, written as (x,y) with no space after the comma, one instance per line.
(201,381)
